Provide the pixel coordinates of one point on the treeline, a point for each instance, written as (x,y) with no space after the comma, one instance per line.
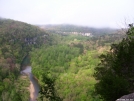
(80,29)
(88,43)
(16,41)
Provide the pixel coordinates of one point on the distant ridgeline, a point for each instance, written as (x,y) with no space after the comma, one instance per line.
(74,29)
(16,40)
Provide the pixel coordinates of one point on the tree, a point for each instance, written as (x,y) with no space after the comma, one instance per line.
(47,90)
(115,72)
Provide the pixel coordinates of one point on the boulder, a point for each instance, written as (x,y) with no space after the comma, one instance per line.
(129,97)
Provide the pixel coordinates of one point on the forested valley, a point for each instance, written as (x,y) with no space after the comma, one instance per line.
(65,69)
(68,67)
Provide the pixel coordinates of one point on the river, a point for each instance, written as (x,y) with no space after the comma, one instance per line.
(34,86)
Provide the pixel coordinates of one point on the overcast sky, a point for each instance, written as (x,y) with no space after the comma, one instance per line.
(93,13)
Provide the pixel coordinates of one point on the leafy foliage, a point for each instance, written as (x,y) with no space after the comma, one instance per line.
(17,39)
(115,70)
(63,73)
(55,59)
(47,91)
(12,86)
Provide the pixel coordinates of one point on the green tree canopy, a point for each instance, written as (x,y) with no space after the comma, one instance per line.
(115,72)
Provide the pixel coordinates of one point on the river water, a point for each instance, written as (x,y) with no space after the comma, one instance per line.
(34,86)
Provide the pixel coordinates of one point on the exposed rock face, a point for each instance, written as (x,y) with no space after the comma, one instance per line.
(129,97)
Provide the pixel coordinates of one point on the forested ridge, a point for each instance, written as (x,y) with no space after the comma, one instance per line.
(61,28)
(18,37)
(16,41)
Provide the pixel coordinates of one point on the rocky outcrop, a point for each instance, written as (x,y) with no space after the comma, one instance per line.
(129,97)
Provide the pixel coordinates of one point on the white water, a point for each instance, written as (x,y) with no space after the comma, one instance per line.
(34,86)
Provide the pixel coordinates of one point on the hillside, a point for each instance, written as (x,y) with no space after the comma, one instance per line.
(17,39)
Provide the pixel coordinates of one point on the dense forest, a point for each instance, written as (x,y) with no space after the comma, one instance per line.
(69,67)
(115,71)
(16,41)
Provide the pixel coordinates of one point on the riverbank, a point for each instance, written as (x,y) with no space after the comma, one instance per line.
(32,90)
(34,86)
